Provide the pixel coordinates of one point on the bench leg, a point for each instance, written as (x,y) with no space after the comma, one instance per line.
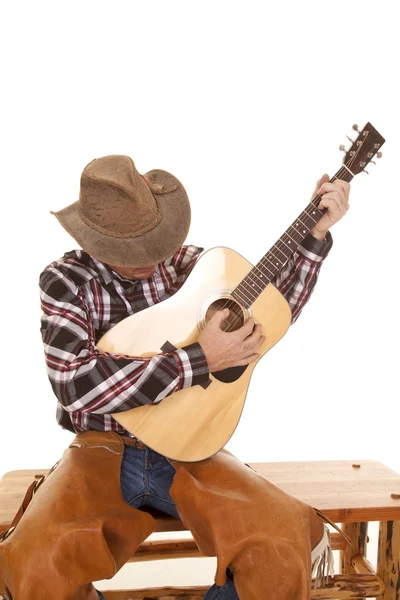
(388,563)
(357,532)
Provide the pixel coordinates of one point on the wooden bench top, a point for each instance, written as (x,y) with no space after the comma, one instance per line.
(345,493)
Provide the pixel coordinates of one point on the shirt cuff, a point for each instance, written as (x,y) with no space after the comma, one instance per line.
(316,250)
(192,364)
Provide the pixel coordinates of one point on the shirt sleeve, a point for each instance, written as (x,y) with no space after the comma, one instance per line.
(298,278)
(86,380)
(181,263)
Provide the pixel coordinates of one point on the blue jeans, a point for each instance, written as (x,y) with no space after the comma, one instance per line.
(146,478)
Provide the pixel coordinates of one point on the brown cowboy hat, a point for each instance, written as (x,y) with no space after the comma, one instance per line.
(124,218)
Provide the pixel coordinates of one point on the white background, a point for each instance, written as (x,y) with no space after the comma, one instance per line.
(247,103)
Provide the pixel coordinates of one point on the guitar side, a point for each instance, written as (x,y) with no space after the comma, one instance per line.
(194,423)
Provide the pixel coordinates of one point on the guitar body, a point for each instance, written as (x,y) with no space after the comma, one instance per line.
(195,423)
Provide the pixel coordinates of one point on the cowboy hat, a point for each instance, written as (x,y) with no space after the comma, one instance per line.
(124,218)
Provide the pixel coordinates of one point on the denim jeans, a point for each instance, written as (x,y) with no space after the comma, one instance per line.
(146,478)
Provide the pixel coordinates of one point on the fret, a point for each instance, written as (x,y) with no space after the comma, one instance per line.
(240,296)
(246,303)
(254,280)
(344,174)
(247,290)
(292,239)
(265,269)
(285,249)
(272,259)
(260,275)
(315,201)
(269,273)
(296,234)
(286,244)
(302,225)
(255,286)
(316,214)
(278,255)
(308,221)
(270,268)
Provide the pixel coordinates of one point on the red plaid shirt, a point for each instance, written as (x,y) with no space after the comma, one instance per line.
(82,298)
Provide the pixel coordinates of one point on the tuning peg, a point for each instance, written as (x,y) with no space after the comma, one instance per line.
(355,127)
(364,171)
(342,148)
(352,141)
(379,154)
(372,162)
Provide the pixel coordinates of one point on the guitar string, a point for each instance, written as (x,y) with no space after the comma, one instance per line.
(311,204)
(251,277)
(233,323)
(257,277)
(252,273)
(345,172)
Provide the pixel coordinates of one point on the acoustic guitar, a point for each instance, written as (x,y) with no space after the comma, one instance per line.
(195,423)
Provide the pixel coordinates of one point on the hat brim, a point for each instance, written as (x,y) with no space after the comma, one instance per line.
(148,249)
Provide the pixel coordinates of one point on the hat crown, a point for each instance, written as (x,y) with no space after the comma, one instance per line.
(115,199)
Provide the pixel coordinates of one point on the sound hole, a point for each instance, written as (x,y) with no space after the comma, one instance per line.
(236,315)
(234,321)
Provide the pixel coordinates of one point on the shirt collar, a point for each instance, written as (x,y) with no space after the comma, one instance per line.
(107,274)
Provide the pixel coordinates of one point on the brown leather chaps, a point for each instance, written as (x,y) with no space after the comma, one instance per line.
(78,528)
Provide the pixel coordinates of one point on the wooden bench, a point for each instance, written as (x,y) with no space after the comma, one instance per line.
(350,494)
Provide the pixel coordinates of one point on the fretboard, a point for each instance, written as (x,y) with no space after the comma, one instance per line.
(278,255)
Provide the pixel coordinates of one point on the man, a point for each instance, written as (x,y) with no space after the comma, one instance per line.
(131,228)
(134,258)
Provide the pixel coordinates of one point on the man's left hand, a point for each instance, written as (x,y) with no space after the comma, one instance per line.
(335,197)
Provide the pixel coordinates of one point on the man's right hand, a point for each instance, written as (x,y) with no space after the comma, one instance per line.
(224,350)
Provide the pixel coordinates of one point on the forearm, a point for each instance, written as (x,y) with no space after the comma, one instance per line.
(106,383)
(299,276)
(85,380)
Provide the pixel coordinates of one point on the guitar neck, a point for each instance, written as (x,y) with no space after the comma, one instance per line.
(363,149)
(278,255)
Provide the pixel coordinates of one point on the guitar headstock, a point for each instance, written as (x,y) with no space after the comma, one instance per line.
(363,149)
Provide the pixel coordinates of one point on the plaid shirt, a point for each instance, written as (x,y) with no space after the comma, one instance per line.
(82,298)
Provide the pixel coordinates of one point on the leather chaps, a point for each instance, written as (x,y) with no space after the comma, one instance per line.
(77,528)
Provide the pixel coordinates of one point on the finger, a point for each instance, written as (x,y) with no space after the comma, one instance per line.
(334,199)
(339,185)
(248,359)
(323,179)
(218,318)
(333,203)
(249,349)
(246,329)
(260,341)
(254,336)
(254,346)
(344,185)
(255,333)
